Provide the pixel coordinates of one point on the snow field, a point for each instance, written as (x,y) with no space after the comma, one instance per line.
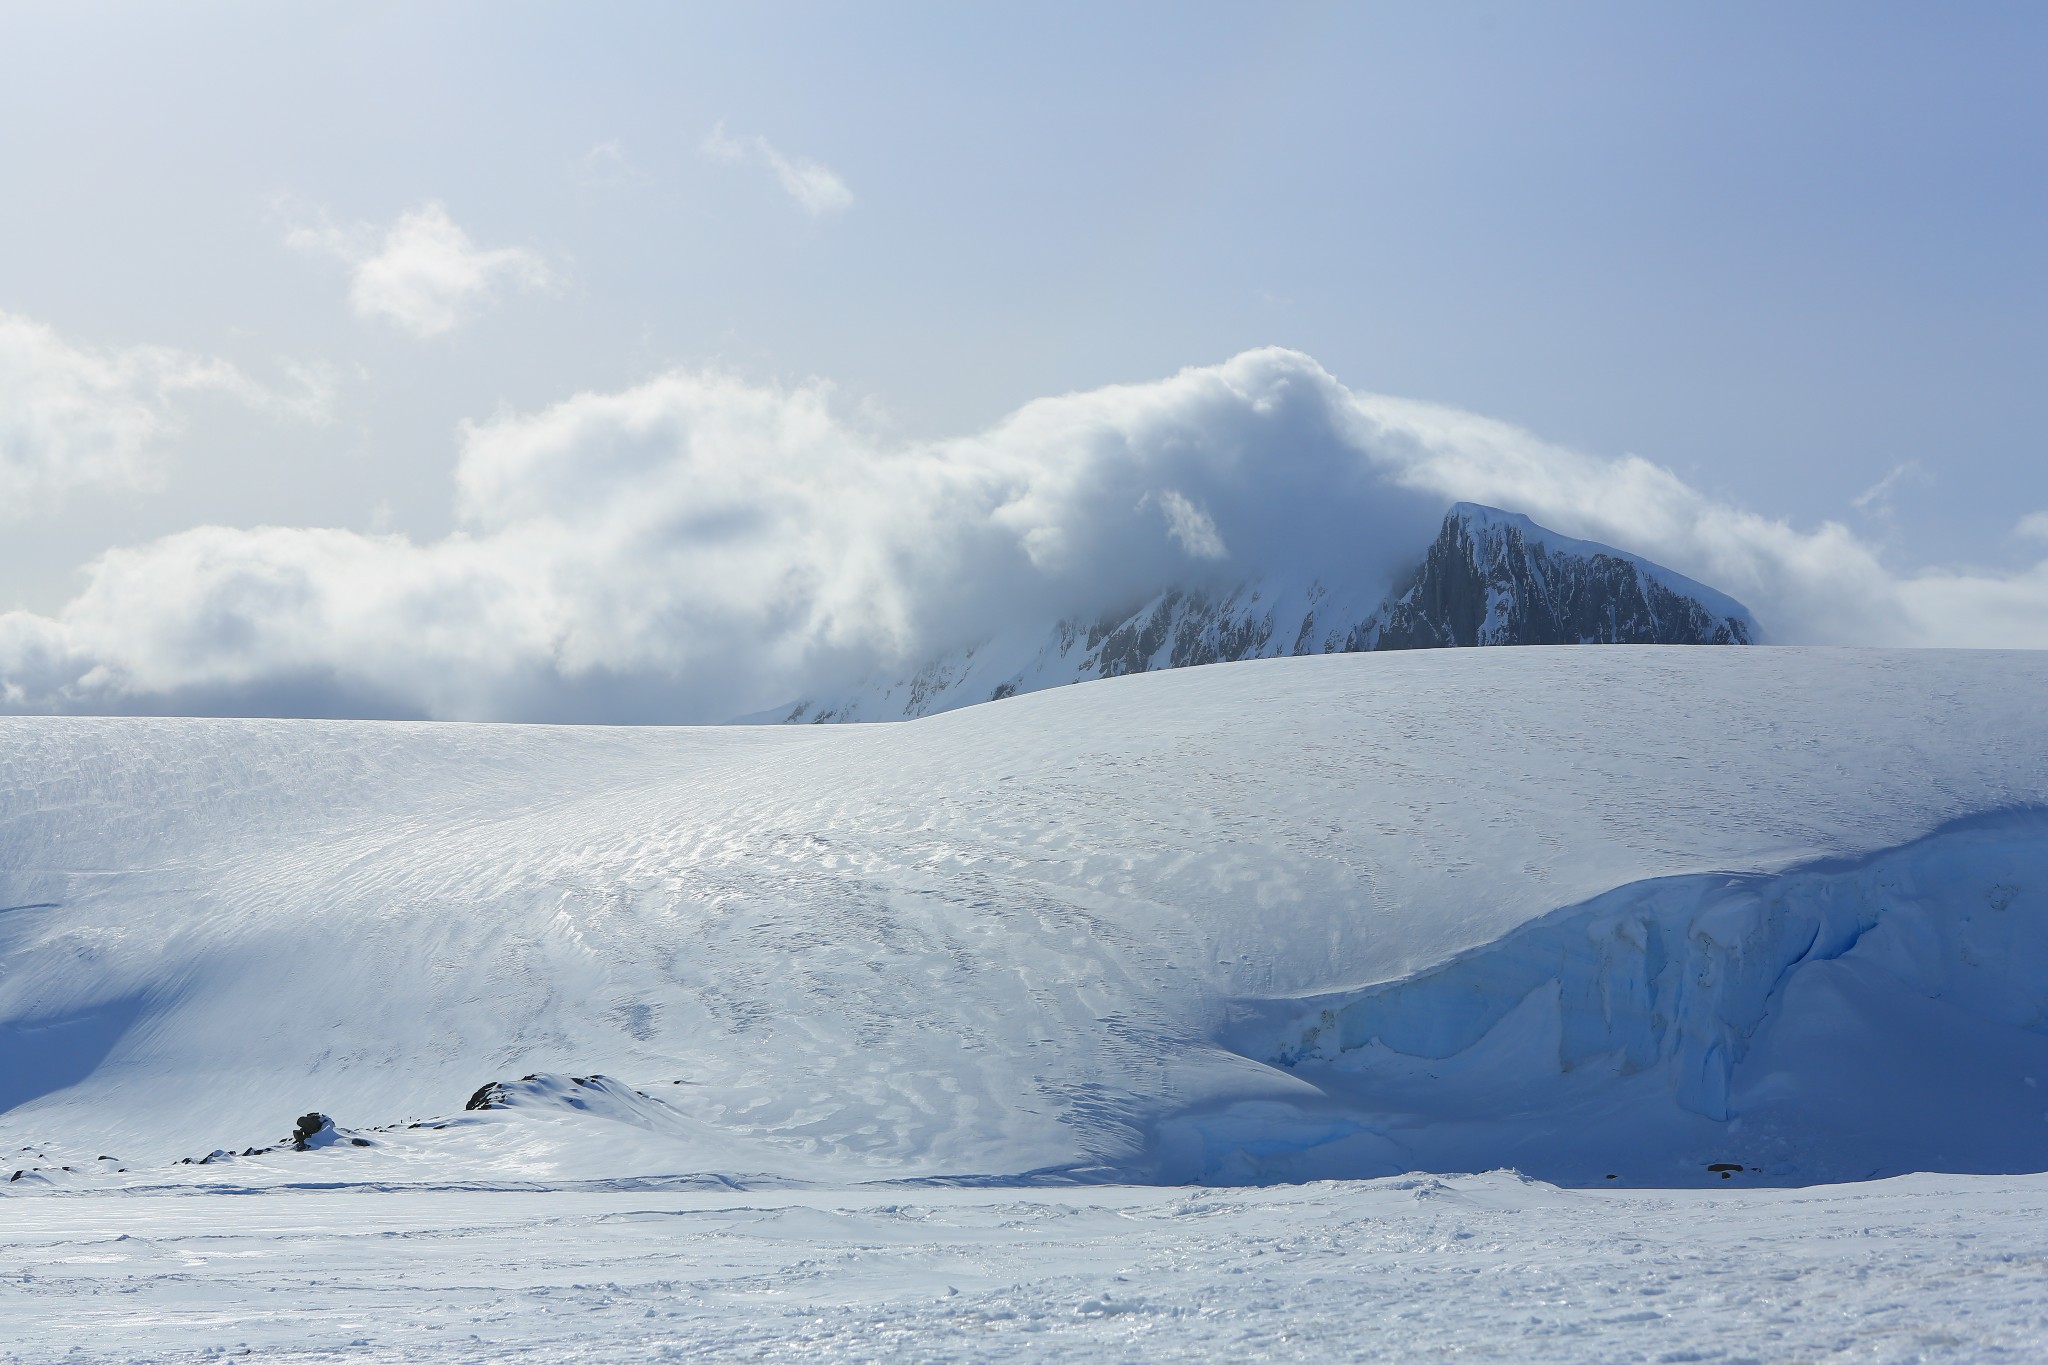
(1488,1267)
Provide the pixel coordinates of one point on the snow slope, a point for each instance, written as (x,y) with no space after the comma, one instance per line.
(1629,911)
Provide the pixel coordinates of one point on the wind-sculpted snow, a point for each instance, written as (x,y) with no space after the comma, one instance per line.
(1082,934)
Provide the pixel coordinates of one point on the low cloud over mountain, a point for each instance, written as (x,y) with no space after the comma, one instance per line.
(697,546)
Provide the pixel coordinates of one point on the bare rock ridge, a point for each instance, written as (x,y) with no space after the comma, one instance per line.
(1489,578)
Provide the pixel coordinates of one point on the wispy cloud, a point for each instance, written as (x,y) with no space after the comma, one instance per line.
(607,164)
(1876,499)
(74,416)
(2033,526)
(424,273)
(812,184)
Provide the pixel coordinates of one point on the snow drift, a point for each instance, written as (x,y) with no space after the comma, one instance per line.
(1633,912)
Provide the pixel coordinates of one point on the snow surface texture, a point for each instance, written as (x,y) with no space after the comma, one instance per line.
(1489,578)
(1486,1267)
(1669,916)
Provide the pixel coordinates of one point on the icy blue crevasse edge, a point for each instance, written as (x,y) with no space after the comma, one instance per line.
(1655,994)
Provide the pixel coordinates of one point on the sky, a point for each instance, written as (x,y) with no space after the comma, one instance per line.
(641,362)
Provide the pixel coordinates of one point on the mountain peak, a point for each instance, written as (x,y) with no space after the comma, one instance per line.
(1490,577)
(1497,578)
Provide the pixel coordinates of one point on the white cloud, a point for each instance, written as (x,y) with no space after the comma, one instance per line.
(1825,586)
(2033,526)
(815,186)
(423,274)
(697,546)
(75,416)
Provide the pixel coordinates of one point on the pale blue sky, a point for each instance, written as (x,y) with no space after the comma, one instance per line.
(1781,250)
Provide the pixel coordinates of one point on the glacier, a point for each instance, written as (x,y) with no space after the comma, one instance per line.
(1182,1016)
(1590,912)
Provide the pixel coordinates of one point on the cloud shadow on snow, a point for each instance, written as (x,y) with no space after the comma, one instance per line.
(47,1053)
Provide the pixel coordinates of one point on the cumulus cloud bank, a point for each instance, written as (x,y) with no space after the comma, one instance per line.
(423,274)
(814,186)
(697,546)
(74,416)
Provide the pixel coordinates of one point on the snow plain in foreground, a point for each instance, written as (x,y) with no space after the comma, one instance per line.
(1488,1267)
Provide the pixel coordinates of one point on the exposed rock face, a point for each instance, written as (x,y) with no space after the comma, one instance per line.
(1489,578)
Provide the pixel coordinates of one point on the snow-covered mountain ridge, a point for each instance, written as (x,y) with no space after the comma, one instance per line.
(1586,911)
(1489,578)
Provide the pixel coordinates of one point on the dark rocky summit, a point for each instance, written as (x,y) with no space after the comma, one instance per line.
(1488,578)
(1492,578)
